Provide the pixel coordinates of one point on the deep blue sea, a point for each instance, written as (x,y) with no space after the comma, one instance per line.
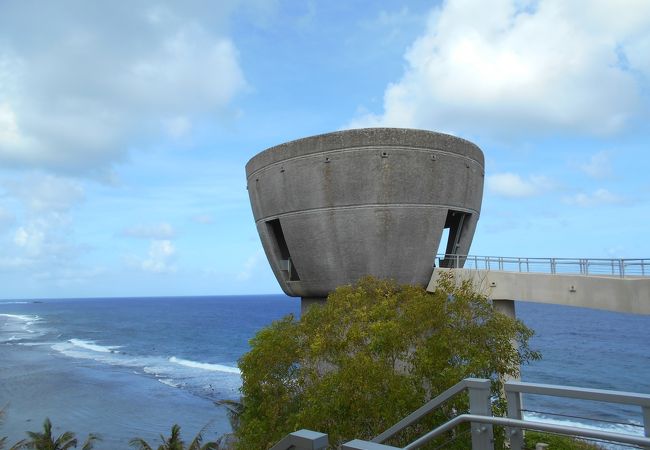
(132,367)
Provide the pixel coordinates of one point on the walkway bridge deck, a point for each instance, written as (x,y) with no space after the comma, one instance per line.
(621,285)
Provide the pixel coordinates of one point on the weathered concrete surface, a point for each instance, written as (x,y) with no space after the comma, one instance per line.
(630,295)
(332,208)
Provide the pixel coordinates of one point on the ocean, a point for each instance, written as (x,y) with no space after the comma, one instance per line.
(132,367)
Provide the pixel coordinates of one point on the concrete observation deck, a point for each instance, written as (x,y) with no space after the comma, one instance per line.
(335,207)
(621,285)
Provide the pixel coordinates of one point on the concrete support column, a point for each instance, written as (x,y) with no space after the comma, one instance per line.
(506,307)
(514,436)
(307,302)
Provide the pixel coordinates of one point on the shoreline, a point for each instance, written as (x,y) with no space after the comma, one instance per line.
(84,397)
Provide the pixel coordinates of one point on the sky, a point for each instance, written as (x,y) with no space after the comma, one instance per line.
(125,127)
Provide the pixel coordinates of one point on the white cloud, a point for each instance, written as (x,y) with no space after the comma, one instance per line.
(249,266)
(514,186)
(44,240)
(161,231)
(45,193)
(76,89)
(39,230)
(509,67)
(9,134)
(599,166)
(160,258)
(597,198)
(30,238)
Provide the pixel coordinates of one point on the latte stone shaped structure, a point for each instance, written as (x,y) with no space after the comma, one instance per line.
(335,207)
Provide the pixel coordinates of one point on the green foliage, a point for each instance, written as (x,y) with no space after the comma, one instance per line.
(174,442)
(373,353)
(556,442)
(45,440)
(234,410)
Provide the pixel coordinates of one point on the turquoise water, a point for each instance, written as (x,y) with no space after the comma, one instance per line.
(134,366)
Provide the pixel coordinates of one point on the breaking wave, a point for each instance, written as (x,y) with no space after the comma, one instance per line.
(200,377)
(205,366)
(92,346)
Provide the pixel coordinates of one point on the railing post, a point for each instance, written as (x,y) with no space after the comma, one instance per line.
(480,404)
(621,268)
(303,440)
(553,265)
(514,435)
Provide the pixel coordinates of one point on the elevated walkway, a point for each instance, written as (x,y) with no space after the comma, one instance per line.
(621,285)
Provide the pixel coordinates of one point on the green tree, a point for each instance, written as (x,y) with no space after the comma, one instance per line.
(373,353)
(45,440)
(174,442)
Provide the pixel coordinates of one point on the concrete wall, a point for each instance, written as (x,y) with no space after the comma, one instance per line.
(631,295)
(332,208)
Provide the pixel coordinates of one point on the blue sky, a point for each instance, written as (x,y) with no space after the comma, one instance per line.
(125,127)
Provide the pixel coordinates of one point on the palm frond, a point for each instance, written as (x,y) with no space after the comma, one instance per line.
(90,441)
(65,441)
(174,442)
(140,444)
(47,428)
(19,445)
(196,442)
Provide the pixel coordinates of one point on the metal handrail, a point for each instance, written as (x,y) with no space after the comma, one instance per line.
(598,395)
(430,406)
(482,421)
(625,267)
(524,424)
(515,389)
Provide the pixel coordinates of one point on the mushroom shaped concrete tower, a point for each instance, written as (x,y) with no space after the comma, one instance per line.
(335,207)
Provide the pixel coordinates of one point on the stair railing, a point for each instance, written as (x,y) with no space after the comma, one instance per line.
(482,422)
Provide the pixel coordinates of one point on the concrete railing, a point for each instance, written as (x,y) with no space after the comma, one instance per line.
(303,440)
(481,419)
(568,266)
